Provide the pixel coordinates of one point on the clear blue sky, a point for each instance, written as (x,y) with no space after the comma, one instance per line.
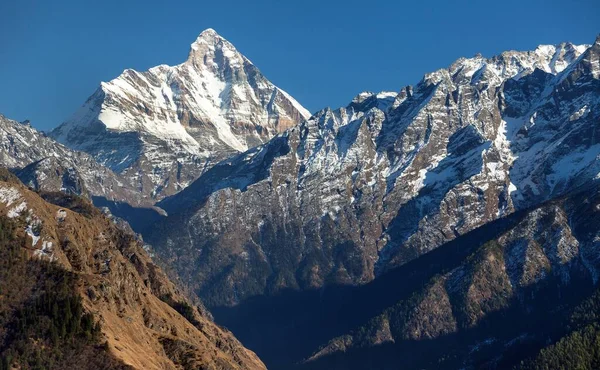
(53,54)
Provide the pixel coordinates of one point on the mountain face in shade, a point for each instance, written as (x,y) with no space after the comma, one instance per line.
(164,127)
(354,192)
(491,299)
(501,289)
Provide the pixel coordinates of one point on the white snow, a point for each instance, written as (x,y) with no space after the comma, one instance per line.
(117,119)
(581,113)
(208,90)
(568,166)
(511,188)
(8,195)
(16,211)
(387,95)
(34,235)
(61,214)
(45,252)
(156,96)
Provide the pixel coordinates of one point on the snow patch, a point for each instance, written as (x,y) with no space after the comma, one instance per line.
(581,113)
(33,230)
(61,214)
(16,211)
(568,166)
(511,188)
(8,195)
(45,252)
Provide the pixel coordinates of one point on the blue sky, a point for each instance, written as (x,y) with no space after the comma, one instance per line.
(53,54)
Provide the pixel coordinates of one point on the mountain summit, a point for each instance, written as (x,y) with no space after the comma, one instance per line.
(162,127)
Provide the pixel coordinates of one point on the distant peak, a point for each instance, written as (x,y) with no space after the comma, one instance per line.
(362,96)
(209,34)
(208,41)
(209,31)
(211,50)
(382,95)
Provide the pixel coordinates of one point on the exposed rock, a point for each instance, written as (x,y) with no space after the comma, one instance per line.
(352,193)
(43,164)
(501,303)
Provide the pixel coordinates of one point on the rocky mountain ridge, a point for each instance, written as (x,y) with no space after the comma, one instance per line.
(351,193)
(479,301)
(43,164)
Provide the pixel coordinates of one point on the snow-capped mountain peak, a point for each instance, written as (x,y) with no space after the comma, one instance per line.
(212,51)
(213,104)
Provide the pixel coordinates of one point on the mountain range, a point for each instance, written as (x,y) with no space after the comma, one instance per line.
(443,218)
(354,192)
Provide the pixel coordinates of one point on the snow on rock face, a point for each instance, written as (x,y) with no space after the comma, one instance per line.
(160,128)
(8,195)
(33,231)
(17,211)
(43,164)
(355,191)
(12,200)
(61,214)
(45,252)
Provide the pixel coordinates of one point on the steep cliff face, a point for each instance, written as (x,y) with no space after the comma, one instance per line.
(131,314)
(352,193)
(162,128)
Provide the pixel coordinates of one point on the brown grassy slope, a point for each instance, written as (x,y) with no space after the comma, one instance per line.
(121,287)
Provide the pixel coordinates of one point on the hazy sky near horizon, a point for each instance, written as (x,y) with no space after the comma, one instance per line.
(53,54)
